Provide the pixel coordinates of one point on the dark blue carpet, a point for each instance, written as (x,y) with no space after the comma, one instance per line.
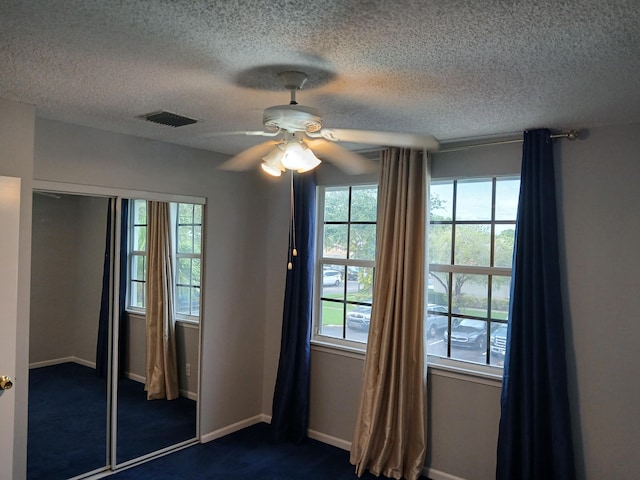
(68,417)
(249,454)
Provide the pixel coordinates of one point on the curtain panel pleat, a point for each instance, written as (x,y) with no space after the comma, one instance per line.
(290,408)
(389,436)
(162,370)
(535,439)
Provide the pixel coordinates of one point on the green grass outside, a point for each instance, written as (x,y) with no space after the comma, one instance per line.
(332,313)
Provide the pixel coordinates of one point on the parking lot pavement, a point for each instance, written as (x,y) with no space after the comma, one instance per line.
(435,346)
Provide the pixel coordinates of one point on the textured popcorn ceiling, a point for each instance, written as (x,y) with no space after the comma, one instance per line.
(454,69)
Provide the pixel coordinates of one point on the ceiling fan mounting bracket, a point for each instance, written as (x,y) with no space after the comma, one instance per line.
(292,80)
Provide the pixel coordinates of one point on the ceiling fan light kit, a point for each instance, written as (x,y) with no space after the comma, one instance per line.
(297,122)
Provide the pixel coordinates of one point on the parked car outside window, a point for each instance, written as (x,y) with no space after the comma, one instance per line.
(469,334)
(499,342)
(359,318)
(331,277)
(437,320)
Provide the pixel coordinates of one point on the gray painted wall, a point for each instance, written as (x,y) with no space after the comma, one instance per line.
(598,202)
(66,281)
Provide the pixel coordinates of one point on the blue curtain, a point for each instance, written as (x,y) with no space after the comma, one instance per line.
(102,349)
(535,439)
(290,407)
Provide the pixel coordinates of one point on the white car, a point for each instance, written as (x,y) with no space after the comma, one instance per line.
(331,277)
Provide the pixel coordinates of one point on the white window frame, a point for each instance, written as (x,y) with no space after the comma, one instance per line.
(194,319)
(317,337)
(447,363)
(177,256)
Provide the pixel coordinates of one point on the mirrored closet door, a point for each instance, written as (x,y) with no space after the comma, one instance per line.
(89,404)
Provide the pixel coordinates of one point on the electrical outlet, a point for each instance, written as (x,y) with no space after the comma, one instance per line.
(188,369)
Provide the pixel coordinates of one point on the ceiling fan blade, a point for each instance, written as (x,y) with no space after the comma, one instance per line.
(248,158)
(254,133)
(390,139)
(348,161)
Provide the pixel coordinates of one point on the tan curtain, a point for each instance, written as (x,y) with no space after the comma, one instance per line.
(389,437)
(162,370)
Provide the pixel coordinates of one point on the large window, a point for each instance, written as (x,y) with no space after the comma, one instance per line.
(471,238)
(186,219)
(346,263)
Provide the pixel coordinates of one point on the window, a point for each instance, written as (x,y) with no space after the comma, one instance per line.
(471,238)
(188,259)
(186,219)
(345,270)
(137,254)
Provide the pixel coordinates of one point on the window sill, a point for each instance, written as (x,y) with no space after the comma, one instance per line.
(468,372)
(336,349)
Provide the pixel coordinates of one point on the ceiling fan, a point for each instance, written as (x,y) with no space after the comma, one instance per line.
(302,136)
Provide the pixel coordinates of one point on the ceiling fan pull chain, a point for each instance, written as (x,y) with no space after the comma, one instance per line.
(293,252)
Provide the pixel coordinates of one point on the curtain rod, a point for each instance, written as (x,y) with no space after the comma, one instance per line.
(570,135)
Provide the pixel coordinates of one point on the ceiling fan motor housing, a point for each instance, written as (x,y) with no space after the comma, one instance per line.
(293,118)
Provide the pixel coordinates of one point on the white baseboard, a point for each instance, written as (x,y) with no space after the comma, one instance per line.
(58,361)
(207,437)
(438,475)
(330,440)
(321,437)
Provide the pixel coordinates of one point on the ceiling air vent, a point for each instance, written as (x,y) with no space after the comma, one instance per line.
(168,118)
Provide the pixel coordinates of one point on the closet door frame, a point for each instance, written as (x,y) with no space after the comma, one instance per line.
(114,327)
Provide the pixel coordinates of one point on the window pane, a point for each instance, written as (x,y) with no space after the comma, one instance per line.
(441,201)
(503,245)
(335,241)
(473,245)
(332,279)
(500,293)
(470,294)
(197,239)
(364,204)
(184,271)
(182,300)
(138,270)
(185,213)
(474,200)
(139,238)
(336,204)
(440,244)
(185,239)
(195,271)
(140,212)
(498,344)
(197,214)
(359,284)
(195,301)
(332,319)
(468,340)
(438,288)
(507,194)
(363,242)
(137,294)
(358,320)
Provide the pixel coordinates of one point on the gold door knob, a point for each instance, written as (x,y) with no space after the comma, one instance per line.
(5,383)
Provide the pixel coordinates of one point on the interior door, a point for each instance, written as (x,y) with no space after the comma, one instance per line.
(9,241)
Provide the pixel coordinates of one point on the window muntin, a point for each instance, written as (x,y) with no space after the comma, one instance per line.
(346,263)
(471,239)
